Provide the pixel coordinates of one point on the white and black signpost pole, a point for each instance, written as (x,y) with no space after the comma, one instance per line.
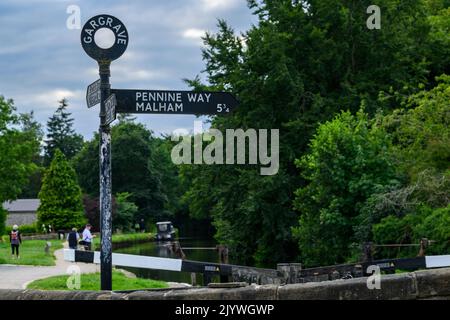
(105,182)
(104,56)
(130,101)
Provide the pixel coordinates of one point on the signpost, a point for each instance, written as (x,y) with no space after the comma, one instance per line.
(104,56)
(93,96)
(110,109)
(114,101)
(174,102)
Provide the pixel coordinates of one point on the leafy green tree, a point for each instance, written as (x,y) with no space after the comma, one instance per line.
(435,226)
(348,162)
(439,41)
(411,228)
(125,212)
(3,214)
(168,173)
(419,206)
(133,172)
(421,130)
(61,199)
(297,67)
(61,134)
(18,148)
(33,129)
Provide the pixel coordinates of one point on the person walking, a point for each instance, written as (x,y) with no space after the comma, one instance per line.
(87,237)
(72,239)
(16,241)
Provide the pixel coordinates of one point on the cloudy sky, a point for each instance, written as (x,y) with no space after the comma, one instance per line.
(41,60)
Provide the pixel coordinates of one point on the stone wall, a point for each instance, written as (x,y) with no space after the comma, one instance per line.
(21,218)
(256,275)
(47,236)
(427,284)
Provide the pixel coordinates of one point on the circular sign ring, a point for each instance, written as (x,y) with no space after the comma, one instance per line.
(99,22)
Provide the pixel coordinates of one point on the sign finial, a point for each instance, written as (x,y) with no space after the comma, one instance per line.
(88,37)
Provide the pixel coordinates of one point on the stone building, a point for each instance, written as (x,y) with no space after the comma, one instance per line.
(21,211)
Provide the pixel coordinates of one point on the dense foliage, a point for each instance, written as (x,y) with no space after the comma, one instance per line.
(19,144)
(134,169)
(126,213)
(363,117)
(348,162)
(61,134)
(3,214)
(398,194)
(302,64)
(61,199)
(419,206)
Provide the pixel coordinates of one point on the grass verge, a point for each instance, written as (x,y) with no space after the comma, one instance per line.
(127,237)
(91,282)
(31,252)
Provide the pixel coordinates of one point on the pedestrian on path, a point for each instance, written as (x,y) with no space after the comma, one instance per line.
(72,238)
(87,238)
(16,241)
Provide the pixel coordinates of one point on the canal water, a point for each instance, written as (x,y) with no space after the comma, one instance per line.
(192,240)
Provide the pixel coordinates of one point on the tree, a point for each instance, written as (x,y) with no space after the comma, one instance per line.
(3,214)
(420,129)
(168,173)
(133,172)
(18,148)
(92,210)
(61,134)
(411,228)
(124,218)
(303,62)
(61,202)
(418,207)
(348,162)
(34,130)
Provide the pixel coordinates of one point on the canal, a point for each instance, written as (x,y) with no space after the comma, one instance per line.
(195,241)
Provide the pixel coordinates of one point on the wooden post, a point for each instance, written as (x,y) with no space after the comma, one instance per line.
(367,252)
(423,247)
(193,279)
(223,258)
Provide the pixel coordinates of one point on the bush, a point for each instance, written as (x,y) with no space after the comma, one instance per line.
(436,226)
(433,224)
(126,212)
(348,162)
(3,214)
(25,229)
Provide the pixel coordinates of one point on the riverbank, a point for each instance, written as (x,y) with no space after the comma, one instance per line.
(32,252)
(18,276)
(36,265)
(126,238)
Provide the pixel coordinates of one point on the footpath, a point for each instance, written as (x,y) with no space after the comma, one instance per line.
(18,277)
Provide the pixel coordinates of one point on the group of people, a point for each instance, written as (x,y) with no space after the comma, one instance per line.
(73,238)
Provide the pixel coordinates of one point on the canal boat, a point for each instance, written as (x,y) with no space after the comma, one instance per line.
(165,231)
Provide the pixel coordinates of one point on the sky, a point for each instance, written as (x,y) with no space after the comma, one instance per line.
(42,61)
